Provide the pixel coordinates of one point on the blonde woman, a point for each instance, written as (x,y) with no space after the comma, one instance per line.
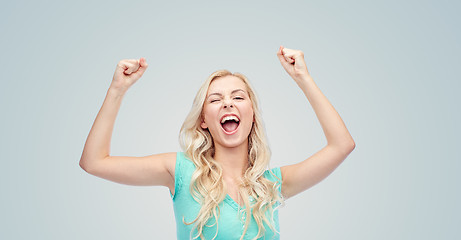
(220,183)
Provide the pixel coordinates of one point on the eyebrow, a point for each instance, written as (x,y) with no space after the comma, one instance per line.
(219,94)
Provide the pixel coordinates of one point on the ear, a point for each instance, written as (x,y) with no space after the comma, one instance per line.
(203,125)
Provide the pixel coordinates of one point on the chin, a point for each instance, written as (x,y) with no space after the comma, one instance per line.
(232,144)
(237,141)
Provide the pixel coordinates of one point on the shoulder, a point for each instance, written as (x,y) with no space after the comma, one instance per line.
(184,161)
(274,175)
(183,165)
(177,161)
(181,170)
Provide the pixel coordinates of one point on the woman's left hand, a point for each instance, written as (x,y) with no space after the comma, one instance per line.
(293,62)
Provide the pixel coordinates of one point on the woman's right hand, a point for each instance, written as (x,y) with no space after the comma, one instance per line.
(127,72)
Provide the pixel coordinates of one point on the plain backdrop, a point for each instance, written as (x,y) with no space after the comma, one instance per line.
(390,69)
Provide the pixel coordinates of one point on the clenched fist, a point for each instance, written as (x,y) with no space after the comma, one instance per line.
(127,72)
(293,62)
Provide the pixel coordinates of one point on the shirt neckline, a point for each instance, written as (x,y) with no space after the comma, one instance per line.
(234,204)
(231,202)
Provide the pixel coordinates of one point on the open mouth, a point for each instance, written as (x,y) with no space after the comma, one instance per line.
(230,124)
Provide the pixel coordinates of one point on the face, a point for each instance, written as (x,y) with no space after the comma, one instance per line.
(228,112)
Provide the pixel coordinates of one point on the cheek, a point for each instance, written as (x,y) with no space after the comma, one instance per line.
(209,114)
(247,110)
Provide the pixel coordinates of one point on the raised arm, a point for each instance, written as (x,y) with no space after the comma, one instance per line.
(303,175)
(157,169)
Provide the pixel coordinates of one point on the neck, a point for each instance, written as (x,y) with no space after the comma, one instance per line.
(233,160)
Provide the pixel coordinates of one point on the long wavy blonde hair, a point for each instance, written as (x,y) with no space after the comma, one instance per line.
(207,186)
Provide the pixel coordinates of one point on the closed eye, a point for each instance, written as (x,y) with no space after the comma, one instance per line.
(239,98)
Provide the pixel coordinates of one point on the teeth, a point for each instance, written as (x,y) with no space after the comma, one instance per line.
(230,118)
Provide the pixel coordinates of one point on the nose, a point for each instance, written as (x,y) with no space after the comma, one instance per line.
(228,103)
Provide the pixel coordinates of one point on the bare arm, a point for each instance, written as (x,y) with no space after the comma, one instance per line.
(303,175)
(157,169)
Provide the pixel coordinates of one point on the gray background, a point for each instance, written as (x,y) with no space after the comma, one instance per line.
(390,69)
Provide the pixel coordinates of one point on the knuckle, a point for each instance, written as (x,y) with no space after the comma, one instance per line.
(121,63)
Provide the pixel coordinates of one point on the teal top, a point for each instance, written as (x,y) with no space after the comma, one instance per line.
(230,225)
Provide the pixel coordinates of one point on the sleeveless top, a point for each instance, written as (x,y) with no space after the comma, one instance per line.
(230,222)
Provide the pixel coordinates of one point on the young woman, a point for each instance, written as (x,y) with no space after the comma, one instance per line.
(220,185)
